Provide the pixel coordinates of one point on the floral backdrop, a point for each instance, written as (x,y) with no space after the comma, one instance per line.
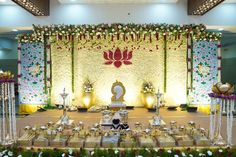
(104,61)
(204,71)
(176,67)
(131,62)
(61,68)
(32,84)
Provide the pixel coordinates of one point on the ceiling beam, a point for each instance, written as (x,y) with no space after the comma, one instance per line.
(35,7)
(200,7)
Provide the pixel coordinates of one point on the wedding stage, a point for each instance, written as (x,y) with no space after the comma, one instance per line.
(110,69)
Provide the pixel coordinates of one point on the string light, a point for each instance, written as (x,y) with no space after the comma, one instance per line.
(203,6)
(33,7)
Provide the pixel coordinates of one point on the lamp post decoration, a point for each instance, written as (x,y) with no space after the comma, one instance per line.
(64,119)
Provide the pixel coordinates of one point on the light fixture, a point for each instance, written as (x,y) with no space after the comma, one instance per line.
(35,7)
(220,29)
(200,7)
(14,30)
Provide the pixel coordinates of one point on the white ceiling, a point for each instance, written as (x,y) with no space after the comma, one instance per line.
(230,1)
(6,2)
(116,1)
(9,2)
(125,1)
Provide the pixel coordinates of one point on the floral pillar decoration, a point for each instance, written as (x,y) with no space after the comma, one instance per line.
(48,69)
(219,60)
(19,64)
(222,95)
(189,63)
(7,109)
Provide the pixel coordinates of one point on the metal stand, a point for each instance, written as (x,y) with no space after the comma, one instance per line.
(64,120)
(157,121)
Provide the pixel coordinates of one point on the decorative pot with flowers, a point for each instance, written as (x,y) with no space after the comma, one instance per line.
(88,95)
(148,95)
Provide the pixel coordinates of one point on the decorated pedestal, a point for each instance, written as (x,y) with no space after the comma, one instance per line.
(110,140)
(77,139)
(94,138)
(127,140)
(163,138)
(216,117)
(180,136)
(60,139)
(28,136)
(7,109)
(42,138)
(146,141)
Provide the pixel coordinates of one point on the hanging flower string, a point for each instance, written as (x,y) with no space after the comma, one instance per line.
(6,76)
(119,31)
(29,38)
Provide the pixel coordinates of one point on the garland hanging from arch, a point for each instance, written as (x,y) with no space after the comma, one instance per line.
(119,31)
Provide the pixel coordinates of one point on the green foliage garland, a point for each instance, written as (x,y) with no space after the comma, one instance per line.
(109,152)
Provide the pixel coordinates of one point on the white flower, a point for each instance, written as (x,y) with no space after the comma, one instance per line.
(116,151)
(5,156)
(220,150)
(190,155)
(63,155)
(201,154)
(70,151)
(138,156)
(183,154)
(10,153)
(40,154)
(4,151)
(71,156)
(176,155)
(169,151)
(92,153)
(147,149)
(209,153)
(156,149)
(1,154)
(19,156)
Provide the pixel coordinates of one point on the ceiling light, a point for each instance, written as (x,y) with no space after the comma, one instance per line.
(14,30)
(200,7)
(35,7)
(2,1)
(220,29)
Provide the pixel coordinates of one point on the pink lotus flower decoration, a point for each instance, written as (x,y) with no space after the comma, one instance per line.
(118,57)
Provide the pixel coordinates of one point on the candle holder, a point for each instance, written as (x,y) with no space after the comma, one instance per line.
(64,120)
(157,121)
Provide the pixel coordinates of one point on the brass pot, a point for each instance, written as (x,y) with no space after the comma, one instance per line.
(148,100)
(88,99)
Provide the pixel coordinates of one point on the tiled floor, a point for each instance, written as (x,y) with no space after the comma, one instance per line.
(136,115)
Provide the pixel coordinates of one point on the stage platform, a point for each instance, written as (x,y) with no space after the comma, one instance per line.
(137,115)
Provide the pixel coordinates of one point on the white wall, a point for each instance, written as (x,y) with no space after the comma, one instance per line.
(224,14)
